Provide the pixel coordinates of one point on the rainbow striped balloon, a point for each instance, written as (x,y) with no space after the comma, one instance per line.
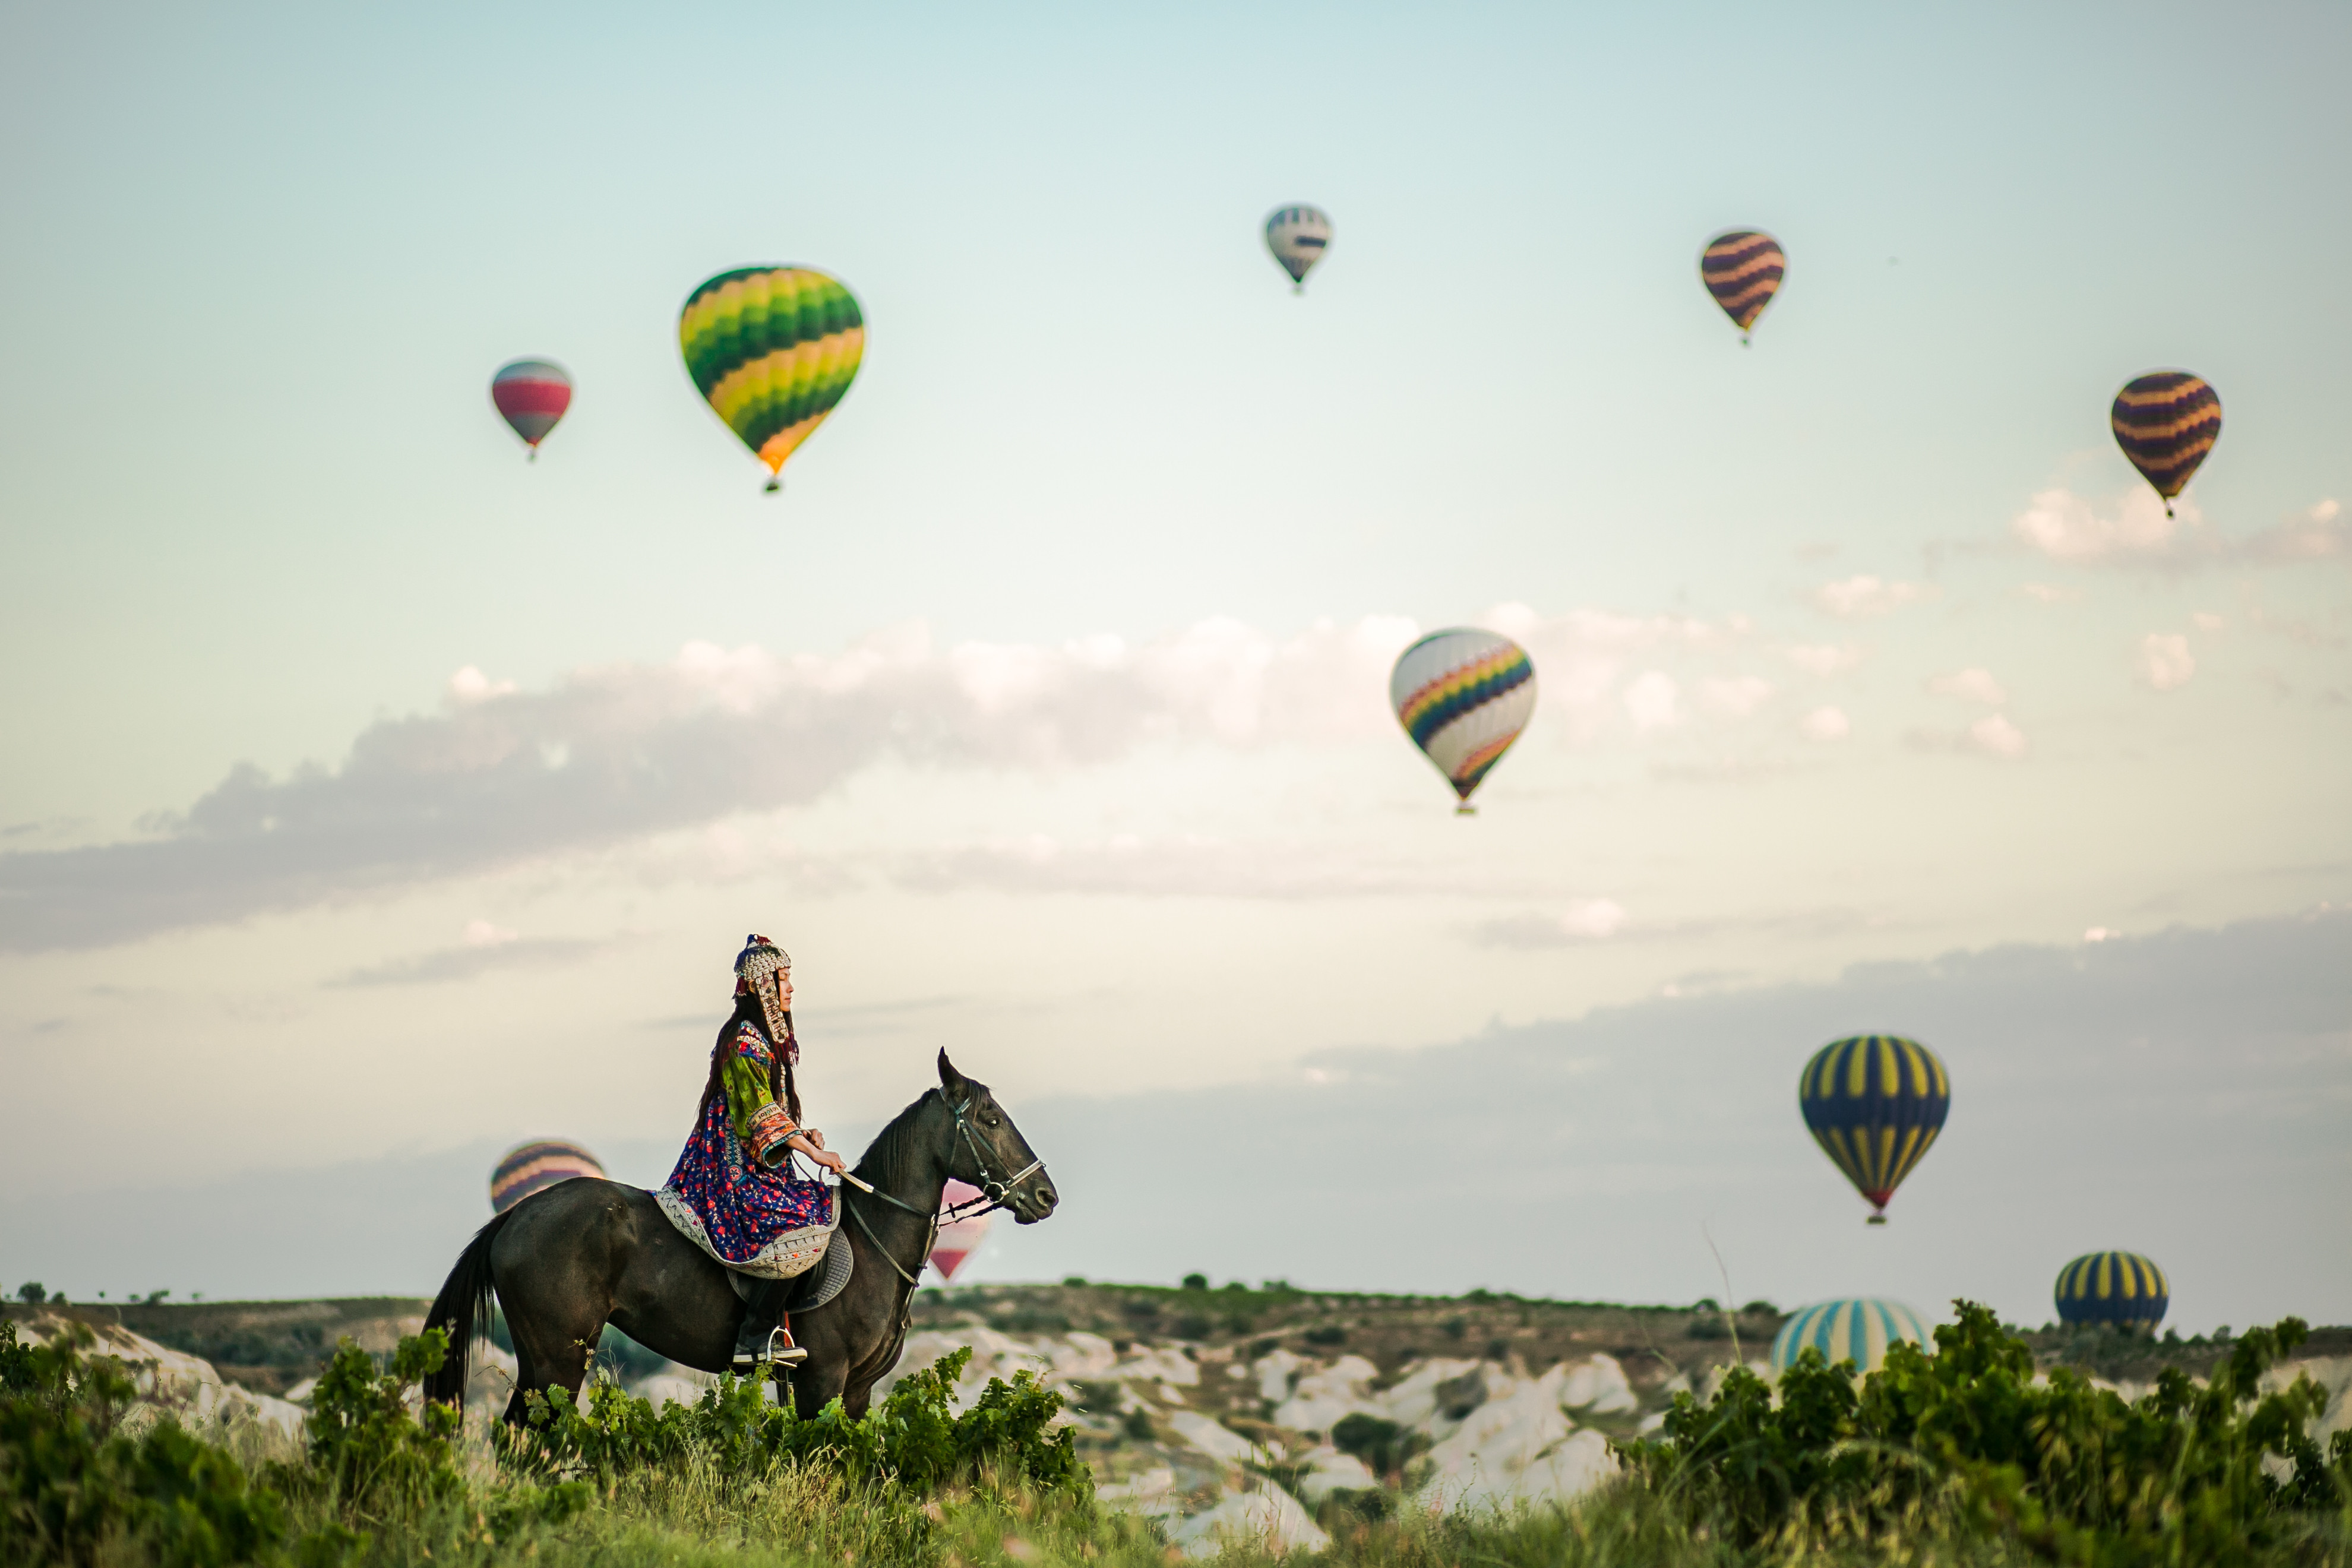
(2113,1287)
(773,350)
(1742,268)
(2166,421)
(528,1168)
(1860,1330)
(1874,1104)
(1463,695)
(532,395)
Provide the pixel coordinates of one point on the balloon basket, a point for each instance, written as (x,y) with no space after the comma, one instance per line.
(1875,1219)
(1465,809)
(772,486)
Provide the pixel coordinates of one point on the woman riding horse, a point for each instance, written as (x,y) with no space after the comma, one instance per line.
(735,1192)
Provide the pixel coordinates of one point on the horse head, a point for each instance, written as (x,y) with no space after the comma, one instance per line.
(990,1153)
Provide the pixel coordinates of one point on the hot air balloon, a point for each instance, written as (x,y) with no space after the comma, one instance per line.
(1299,235)
(2120,1288)
(958,1239)
(1874,1104)
(1463,695)
(1742,268)
(772,349)
(1860,1330)
(532,395)
(528,1167)
(2166,421)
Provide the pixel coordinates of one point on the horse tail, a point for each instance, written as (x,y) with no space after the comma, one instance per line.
(464,1308)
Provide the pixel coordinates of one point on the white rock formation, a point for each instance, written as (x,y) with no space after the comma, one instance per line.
(1268,1518)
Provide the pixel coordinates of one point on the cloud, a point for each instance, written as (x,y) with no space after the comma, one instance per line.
(2067,527)
(1971,686)
(1592,919)
(2163,661)
(470,685)
(1825,724)
(2133,529)
(2049,593)
(1996,735)
(2317,532)
(1738,696)
(2207,621)
(1866,597)
(470,960)
(1825,659)
(1651,701)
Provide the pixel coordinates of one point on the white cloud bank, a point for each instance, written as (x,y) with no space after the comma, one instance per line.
(1866,597)
(2163,661)
(2133,529)
(623,753)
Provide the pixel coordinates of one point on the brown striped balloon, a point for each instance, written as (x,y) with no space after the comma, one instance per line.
(2166,421)
(1742,268)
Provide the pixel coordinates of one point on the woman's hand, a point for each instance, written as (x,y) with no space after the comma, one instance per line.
(830,1161)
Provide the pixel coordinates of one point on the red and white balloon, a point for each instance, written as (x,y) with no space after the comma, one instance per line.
(958,1239)
(532,395)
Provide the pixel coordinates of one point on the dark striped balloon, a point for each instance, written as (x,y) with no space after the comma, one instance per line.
(1743,269)
(2166,421)
(528,1168)
(2113,1287)
(1874,1104)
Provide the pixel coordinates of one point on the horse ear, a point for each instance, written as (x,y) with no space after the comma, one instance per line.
(949,1076)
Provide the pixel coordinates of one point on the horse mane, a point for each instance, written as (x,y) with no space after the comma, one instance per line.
(892,1157)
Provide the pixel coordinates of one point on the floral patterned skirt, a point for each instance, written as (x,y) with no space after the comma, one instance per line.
(770,1224)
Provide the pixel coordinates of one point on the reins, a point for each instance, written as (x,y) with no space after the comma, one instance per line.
(993,1194)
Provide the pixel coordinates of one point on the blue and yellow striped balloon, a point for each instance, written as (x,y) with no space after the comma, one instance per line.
(2113,1287)
(1874,1104)
(1860,1330)
(1463,695)
(528,1168)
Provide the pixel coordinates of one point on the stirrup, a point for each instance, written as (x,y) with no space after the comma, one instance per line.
(786,1354)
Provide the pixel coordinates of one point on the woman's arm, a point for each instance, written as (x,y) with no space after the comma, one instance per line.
(760,1125)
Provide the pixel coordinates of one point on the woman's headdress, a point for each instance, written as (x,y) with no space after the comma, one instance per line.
(756,968)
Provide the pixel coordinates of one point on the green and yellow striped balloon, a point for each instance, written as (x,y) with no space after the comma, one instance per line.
(773,350)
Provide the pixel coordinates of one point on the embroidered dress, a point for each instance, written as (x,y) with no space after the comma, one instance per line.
(769,1223)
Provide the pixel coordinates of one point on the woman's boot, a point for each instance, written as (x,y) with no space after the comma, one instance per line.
(762,1338)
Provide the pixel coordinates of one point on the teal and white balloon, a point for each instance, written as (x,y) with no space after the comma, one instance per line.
(1463,695)
(1860,1329)
(1299,235)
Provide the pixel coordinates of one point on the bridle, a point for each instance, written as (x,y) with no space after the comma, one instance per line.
(993,1194)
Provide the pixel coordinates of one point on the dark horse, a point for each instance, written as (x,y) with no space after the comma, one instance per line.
(568,1260)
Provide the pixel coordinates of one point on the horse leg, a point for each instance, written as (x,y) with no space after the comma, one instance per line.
(557,1260)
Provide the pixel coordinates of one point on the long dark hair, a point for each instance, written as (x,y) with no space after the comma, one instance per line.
(780,1067)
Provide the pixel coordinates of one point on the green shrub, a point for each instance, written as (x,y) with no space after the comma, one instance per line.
(913,1439)
(1966,1440)
(74,1490)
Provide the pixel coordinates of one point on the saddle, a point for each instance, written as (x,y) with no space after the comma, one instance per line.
(811,1287)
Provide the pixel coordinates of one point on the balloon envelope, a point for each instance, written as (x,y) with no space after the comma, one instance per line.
(771,350)
(1299,235)
(958,1239)
(1874,1104)
(532,395)
(1463,695)
(1860,1329)
(2166,421)
(2113,1287)
(1743,269)
(528,1168)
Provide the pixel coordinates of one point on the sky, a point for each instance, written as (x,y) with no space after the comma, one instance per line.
(376,799)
